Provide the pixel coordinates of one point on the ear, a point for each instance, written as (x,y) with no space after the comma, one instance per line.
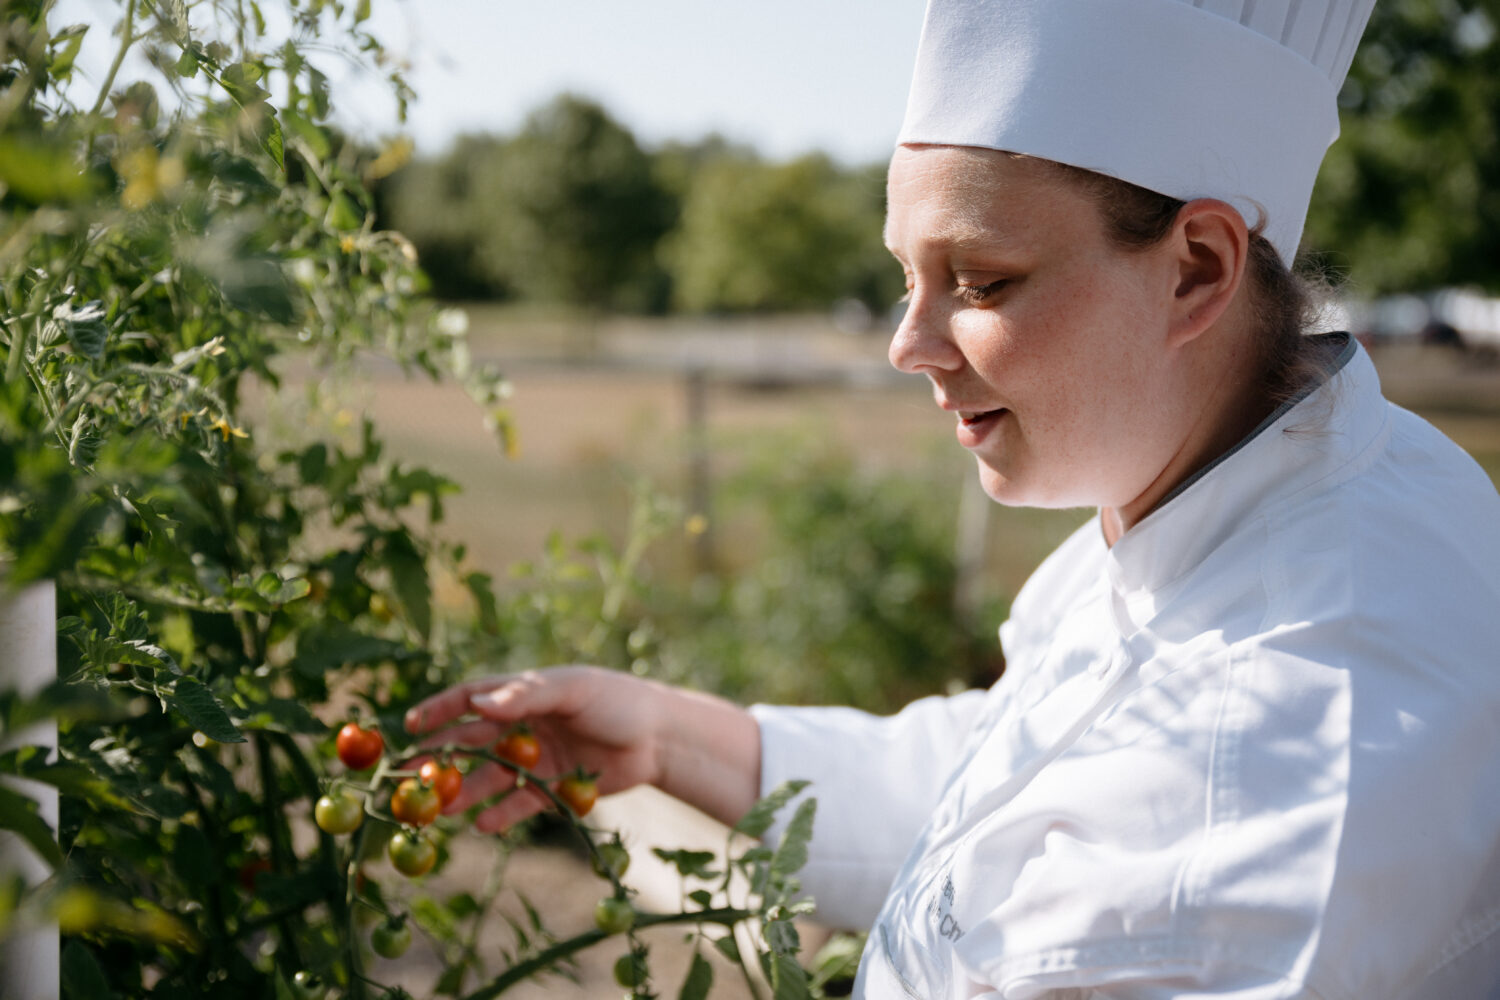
(1211,245)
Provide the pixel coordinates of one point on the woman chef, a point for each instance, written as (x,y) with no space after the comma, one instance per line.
(1247,743)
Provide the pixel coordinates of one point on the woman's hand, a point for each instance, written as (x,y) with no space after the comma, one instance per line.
(627,730)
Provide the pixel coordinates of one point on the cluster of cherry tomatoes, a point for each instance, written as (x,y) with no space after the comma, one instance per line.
(419,799)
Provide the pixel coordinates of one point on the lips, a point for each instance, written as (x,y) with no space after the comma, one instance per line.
(975,426)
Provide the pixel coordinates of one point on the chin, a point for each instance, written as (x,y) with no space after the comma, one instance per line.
(1018,491)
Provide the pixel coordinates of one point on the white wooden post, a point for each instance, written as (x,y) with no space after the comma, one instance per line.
(28,663)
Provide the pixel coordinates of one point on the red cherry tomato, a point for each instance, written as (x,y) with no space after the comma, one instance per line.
(446,781)
(578,792)
(415,802)
(359,748)
(520,748)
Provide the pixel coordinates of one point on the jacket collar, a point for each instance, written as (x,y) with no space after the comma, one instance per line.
(1315,439)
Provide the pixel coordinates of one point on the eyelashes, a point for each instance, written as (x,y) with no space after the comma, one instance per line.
(978,295)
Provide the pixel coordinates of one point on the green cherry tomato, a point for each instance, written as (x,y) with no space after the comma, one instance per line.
(411,853)
(614,915)
(306,986)
(339,812)
(630,970)
(612,857)
(391,939)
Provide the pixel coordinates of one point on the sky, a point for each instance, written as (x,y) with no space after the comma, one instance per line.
(784,76)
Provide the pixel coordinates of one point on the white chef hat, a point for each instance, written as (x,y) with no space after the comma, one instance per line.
(1228,99)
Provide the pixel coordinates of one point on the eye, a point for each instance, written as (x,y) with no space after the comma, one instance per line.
(978,295)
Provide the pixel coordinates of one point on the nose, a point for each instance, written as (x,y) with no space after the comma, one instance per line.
(922,342)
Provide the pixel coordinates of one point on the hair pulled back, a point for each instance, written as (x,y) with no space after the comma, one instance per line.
(1284,303)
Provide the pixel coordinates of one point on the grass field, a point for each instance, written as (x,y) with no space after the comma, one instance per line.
(597,405)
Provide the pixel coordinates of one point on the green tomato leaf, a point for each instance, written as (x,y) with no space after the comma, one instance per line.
(409,579)
(758,820)
(728,947)
(700,979)
(693,864)
(81,974)
(791,853)
(788,979)
(172,15)
(18,813)
(84,327)
(781,937)
(65,45)
(197,704)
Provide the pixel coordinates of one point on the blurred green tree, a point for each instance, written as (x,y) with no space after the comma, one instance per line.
(1409,197)
(763,236)
(577,211)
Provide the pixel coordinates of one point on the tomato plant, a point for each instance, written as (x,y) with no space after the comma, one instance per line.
(236,559)
(445,779)
(339,812)
(359,748)
(578,792)
(415,802)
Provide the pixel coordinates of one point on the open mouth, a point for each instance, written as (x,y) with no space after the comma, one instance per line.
(970,418)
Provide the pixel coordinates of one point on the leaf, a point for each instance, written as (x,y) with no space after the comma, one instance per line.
(81,974)
(409,578)
(197,704)
(702,897)
(728,947)
(18,813)
(689,863)
(758,820)
(781,937)
(65,44)
(700,979)
(84,327)
(788,979)
(791,853)
(282,715)
(462,905)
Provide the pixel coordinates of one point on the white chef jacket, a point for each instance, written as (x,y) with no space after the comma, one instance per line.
(1251,751)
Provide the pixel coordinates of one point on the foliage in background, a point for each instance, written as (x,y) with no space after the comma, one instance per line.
(1407,200)
(847,596)
(166,247)
(571,210)
(1409,197)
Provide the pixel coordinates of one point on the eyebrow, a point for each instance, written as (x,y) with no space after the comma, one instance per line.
(960,233)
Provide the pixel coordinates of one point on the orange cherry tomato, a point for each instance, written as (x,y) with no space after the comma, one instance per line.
(520,748)
(446,781)
(415,802)
(359,748)
(578,792)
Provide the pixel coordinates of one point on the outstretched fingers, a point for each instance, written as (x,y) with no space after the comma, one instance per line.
(446,706)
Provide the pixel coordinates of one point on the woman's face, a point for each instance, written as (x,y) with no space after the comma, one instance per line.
(1047,343)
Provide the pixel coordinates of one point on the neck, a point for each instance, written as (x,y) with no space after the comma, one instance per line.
(1225,400)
